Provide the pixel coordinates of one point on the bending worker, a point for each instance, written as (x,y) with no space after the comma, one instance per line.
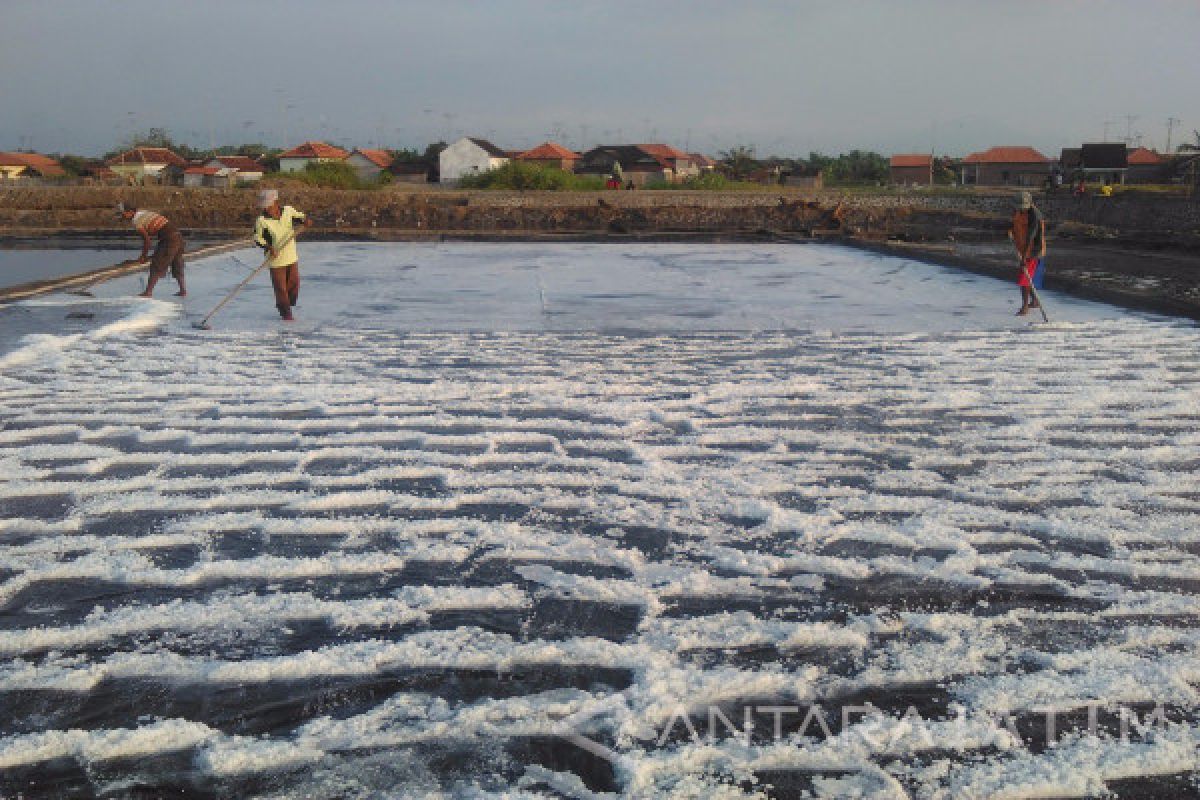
(167,253)
(1028,233)
(275,231)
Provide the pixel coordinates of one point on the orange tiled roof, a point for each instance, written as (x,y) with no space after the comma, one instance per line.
(912,160)
(148,155)
(662,151)
(1007,155)
(547,151)
(202,171)
(43,165)
(315,150)
(240,163)
(1144,156)
(380,158)
(664,154)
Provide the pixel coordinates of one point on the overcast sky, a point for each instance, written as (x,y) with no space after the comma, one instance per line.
(784,77)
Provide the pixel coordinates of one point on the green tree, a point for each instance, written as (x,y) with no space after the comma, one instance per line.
(72,165)
(329,175)
(157,137)
(408,155)
(739,162)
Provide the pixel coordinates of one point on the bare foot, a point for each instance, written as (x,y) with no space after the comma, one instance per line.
(144,294)
(1022,312)
(181,293)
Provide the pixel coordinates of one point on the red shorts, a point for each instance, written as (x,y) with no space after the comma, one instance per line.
(1032,267)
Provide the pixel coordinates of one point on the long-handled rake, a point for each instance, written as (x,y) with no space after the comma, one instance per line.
(203,324)
(1033,289)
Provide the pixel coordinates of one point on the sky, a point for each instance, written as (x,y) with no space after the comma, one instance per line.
(782,77)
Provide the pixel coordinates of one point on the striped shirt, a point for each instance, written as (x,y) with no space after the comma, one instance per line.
(149,221)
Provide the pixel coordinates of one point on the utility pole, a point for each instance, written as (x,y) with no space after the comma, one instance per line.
(1129,120)
(1171,123)
(282,130)
(932,149)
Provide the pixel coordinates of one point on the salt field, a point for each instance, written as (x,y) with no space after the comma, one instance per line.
(597,521)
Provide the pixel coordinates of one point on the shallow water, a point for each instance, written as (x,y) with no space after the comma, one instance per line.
(29,260)
(453,548)
(28,264)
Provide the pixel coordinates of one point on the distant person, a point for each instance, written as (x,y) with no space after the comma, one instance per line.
(275,231)
(1081,189)
(629,186)
(1028,234)
(168,253)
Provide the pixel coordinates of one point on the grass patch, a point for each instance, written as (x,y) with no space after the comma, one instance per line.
(712,182)
(331,175)
(523,176)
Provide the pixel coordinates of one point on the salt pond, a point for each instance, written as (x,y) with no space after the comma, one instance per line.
(520,518)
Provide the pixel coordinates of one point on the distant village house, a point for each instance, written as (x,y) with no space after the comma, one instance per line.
(211,177)
(1105,162)
(368,164)
(248,170)
(298,158)
(18,166)
(1146,166)
(639,164)
(1006,166)
(142,164)
(911,169)
(803,177)
(551,154)
(409,172)
(469,156)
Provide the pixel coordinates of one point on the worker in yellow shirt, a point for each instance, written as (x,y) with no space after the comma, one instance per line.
(275,231)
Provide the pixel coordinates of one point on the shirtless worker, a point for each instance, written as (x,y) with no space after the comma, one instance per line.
(1028,234)
(275,231)
(168,253)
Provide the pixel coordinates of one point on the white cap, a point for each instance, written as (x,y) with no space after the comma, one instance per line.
(267,197)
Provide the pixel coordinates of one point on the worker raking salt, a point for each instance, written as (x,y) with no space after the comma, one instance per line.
(167,253)
(1028,234)
(275,231)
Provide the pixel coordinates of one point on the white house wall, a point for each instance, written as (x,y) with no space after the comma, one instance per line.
(464,157)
